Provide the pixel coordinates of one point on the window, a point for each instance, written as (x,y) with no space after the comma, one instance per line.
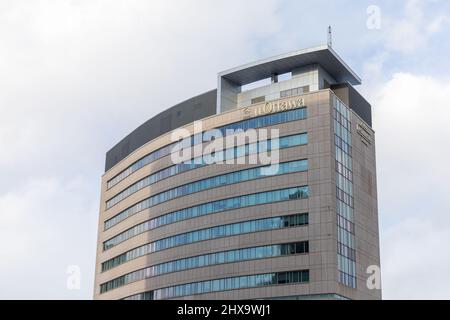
(224,284)
(258,100)
(285,142)
(206,234)
(344,194)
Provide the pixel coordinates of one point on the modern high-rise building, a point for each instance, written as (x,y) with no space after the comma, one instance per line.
(202,230)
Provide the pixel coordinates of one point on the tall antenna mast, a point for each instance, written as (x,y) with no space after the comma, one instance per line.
(330,37)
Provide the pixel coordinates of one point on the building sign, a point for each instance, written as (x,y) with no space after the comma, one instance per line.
(364,132)
(273,107)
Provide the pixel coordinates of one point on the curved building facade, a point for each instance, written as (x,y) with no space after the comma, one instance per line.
(198,229)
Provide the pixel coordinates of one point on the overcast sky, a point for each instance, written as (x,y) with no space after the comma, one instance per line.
(77,76)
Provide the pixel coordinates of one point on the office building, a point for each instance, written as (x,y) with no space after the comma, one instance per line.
(200,230)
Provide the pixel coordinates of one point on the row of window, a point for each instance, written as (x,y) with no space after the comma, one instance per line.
(342,132)
(344,184)
(347,271)
(345,237)
(342,115)
(221,180)
(344,193)
(344,197)
(228,154)
(257,122)
(211,259)
(258,100)
(284,142)
(341,111)
(321,296)
(346,224)
(345,251)
(208,234)
(345,172)
(250,281)
(210,208)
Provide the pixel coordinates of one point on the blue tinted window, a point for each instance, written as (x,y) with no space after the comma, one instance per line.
(297,114)
(208,233)
(235,177)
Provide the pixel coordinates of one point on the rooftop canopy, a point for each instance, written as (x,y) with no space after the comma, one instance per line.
(323,55)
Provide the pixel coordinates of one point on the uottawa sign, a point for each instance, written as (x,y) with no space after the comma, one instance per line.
(273,107)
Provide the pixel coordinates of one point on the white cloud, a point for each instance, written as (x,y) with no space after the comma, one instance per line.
(414,29)
(413,135)
(76,77)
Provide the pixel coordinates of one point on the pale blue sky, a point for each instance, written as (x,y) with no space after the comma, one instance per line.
(77,76)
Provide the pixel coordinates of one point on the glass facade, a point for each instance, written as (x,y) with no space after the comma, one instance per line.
(257,122)
(232,153)
(176,224)
(209,208)
(250,281)
(344,195)
(213,182)
(244,254)
(285,142)
(323,296)
(208,234)
(294,91)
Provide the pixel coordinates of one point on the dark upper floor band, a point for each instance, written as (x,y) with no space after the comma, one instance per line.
(196,108)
